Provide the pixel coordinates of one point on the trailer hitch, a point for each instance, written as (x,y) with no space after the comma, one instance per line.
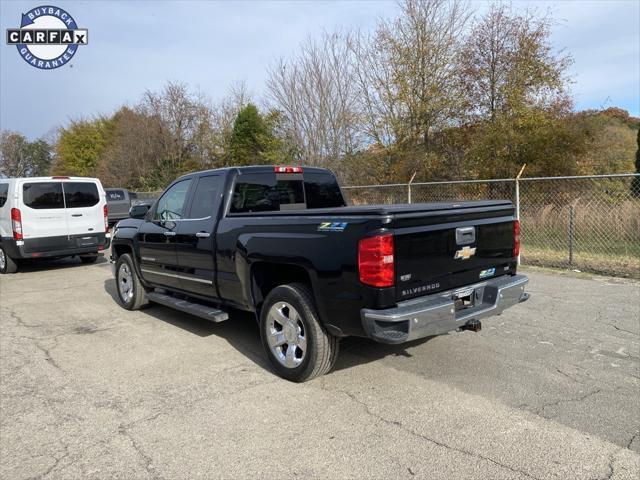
(473,325)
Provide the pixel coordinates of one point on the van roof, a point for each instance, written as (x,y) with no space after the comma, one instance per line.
(55,177)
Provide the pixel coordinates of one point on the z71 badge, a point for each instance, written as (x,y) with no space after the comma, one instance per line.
(332,226)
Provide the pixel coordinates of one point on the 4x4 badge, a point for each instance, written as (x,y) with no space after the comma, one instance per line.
(465,253)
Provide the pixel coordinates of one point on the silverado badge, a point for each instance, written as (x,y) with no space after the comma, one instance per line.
(465,253)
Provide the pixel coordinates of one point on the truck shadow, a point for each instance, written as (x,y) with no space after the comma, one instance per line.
(38,265)
(242,333)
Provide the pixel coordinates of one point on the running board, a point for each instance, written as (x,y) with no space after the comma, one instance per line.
(203,311)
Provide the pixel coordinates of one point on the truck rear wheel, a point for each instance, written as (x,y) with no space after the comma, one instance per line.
(131,293)
(298,346)
(7,264)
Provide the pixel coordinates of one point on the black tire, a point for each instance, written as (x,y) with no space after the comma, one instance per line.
(87,259)
(137,298)
(9,265)
(321,347)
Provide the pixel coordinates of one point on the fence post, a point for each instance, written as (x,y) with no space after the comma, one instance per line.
(517,180)
(571,219)
(409,187)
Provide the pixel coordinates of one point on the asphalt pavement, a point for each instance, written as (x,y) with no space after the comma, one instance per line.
(548,390)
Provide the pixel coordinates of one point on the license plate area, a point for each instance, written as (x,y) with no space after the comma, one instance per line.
(463,299)
(87,241)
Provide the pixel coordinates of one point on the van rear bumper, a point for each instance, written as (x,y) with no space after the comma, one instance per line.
(60,246)
(437,314)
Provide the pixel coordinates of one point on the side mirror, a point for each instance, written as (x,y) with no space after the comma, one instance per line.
(138,211)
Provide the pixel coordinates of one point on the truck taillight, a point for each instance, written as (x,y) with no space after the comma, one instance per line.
(16,224)
(516,238)
(375,261)
(288,169)
(105,210)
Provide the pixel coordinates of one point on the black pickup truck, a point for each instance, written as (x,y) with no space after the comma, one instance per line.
(281,242)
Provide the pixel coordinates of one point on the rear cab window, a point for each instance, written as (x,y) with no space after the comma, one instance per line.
(115,196)
(268,192)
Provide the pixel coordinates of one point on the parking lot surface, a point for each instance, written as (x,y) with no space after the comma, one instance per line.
(549,389)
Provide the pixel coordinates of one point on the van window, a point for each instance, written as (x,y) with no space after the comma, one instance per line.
(4,191)
(115,195)
(204,198)
(43,195)
(81,194)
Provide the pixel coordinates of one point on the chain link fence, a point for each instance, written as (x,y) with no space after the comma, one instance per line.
(589,223)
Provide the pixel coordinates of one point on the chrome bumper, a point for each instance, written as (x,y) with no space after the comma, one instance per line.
(436,314)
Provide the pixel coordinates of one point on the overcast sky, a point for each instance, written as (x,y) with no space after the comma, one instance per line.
(134,46)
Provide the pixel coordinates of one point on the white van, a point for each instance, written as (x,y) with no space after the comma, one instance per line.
(51,217)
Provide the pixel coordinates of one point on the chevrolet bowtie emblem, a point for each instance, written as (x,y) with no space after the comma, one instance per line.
(465,253)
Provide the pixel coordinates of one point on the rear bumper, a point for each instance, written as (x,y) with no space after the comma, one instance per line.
(436,314)
(56,246)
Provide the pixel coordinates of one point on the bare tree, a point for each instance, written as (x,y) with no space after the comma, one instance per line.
(182,116)
(407,71)
(21,158)
(507,63)
(13,160)
(315,92)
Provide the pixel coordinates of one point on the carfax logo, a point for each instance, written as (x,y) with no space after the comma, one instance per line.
(48,37)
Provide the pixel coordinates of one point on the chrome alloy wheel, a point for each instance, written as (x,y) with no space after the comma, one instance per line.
(3,260)
(286,336)
(125,282)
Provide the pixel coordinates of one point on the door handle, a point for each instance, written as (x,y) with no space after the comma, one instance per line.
(203,235)
(169,234)
(76,214)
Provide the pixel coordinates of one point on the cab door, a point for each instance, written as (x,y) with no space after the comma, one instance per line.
(156,237)
(195,241)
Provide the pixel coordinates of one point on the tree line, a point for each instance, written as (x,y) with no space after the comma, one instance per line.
(435,91)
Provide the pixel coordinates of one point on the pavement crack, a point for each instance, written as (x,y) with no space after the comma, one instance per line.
(147,461)
(55,465)
(47,356)
(633,438)
(570,377)
(540,410)
(424,437)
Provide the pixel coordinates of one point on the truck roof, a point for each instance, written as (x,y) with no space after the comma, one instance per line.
(253,169)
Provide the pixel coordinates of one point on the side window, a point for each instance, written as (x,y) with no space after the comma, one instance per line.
(205,196)
(171,204)
(80,194)
(43,195)
(4,191)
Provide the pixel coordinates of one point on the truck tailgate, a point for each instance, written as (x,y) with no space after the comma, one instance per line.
(443,249)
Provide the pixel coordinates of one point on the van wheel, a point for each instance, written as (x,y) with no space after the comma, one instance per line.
(298,346)
(7,264)
(88,258)
(131,293)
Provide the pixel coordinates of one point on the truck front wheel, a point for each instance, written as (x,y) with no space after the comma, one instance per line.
(131,293)
(298,346)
